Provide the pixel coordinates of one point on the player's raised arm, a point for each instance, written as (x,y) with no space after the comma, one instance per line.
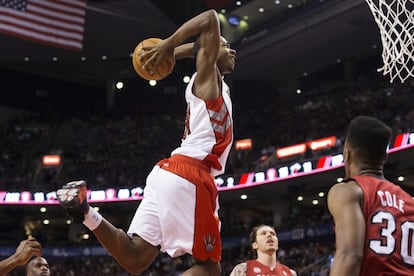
(206,27)
(26,250)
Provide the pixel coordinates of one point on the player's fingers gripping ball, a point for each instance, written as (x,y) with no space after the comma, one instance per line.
(73,197)
(162,70)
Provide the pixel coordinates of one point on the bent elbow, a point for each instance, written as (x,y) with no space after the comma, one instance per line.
(212,14)
(212,18)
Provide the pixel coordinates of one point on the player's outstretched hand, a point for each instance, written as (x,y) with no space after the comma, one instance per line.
(72,196)
(27,249)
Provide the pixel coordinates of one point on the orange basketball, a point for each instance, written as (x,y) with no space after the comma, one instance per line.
(163,69)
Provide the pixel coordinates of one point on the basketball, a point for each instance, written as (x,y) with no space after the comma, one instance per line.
(163,69)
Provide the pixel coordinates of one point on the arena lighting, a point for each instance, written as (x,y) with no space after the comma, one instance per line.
(49,198)
(317,144)
(244,144)
(322,143)
(291,150)
(234,20)
(119,85)
(223,183)
(51,160)
(186,79)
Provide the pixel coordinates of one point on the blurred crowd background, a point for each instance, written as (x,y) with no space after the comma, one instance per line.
(117,147)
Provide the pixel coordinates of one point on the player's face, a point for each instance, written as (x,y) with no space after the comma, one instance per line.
(38,267)
(266,240)
(227,57)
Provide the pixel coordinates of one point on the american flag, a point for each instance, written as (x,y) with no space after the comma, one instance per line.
(58,23)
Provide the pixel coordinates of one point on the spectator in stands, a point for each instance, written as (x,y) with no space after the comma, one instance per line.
(38,267)
(264,242)
(25,251)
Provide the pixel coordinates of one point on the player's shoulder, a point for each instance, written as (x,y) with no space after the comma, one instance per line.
(345,191)
(239,270)
(349,184)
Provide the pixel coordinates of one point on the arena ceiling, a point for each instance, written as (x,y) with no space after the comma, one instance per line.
(280,43)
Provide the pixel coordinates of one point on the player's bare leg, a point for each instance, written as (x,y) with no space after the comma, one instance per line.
(207,268)
(132,253)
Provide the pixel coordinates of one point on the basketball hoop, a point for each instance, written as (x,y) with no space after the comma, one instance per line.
(395,19)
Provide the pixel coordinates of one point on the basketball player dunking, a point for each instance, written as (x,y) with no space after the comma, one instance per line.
(179,212)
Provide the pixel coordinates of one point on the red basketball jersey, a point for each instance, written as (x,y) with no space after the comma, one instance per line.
(389,237)
(256,268)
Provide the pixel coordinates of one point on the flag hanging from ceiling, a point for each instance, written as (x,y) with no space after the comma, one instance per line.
(58,23)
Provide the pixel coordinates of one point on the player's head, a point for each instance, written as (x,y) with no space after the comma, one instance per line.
(226,58)
(263,239)
(37,267)
(366,143)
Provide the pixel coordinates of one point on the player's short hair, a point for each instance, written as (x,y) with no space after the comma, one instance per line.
(369,138)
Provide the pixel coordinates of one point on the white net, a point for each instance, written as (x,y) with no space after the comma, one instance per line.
(395,19)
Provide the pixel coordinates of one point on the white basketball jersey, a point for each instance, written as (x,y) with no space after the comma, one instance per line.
(208,131)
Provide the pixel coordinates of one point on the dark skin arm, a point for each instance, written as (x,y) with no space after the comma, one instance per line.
(207,27)
(24,252)
(184,51)
(344,203)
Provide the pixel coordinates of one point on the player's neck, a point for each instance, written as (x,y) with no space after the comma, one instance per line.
(367,169)
(371,172)
(268,260)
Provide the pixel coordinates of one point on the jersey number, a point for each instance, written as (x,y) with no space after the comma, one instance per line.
(388,247)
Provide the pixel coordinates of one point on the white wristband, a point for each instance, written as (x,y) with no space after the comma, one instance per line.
(92,219)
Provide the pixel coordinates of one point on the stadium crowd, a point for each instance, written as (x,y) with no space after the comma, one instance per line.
(118,148)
